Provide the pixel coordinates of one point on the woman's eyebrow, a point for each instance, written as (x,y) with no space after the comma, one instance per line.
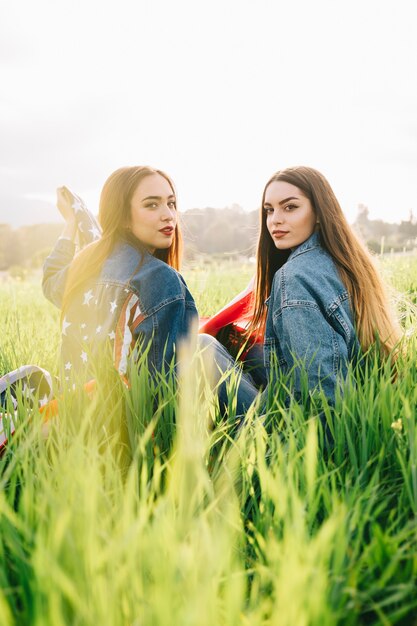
(157,198)
(286,199)
(151,198)
(282,201)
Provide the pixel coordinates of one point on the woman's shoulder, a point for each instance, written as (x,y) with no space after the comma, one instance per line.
(311,275)
(310,258)
(137,270)
(317,261)
(159,268)
(157,280)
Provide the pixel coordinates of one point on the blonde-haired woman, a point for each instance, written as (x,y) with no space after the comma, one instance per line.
(123,288)
(319,301)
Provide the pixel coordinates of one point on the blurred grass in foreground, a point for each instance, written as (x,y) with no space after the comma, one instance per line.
(134,516)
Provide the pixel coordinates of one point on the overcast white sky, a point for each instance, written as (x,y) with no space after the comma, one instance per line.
(219,93)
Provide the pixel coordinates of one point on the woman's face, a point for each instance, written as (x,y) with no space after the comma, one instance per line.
(290,218)
(153,215)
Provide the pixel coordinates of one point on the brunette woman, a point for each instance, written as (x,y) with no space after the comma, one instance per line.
(319,300)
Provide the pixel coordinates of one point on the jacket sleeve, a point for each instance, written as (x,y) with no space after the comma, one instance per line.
(55,270)
(310,347)
(163,331)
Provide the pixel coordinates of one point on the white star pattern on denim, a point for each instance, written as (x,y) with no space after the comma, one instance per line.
(68,365)
(77,205)
(112,335)
(43,400)
(87,297)
(65,325)
(98,329)
(95,232)
(28,390)
(113,306)
(84,357)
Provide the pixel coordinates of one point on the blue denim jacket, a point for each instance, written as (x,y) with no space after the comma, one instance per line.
(309,321)
(135,297)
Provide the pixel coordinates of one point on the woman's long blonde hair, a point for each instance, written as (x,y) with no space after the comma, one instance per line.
(114,216)
(373,319)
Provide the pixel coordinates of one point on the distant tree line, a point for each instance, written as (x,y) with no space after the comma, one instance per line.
(208,231)
(211,231)
(230,231)
(382,236)
(27,245)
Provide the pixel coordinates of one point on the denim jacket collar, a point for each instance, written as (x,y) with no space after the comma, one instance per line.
(314,241)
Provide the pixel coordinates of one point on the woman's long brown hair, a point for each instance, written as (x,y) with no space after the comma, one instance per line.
(373,319)
(114,216)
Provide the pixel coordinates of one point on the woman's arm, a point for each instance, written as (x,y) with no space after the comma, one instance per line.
(55,270)
(56,266)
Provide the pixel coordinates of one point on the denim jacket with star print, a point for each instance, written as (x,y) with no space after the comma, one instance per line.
(136,300)
(310,326)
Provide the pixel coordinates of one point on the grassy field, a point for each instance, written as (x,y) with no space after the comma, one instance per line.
(133,517)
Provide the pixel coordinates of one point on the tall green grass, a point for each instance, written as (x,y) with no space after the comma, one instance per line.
(133,512)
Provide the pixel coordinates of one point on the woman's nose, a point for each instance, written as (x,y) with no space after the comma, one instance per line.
(278,216)
(169,214)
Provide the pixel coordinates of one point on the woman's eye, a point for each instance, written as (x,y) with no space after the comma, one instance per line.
(172,205)
(268,209)
(152,205)
(290,207)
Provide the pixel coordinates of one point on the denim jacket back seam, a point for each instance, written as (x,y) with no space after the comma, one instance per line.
(333,306)
(131,288)
(336,352)
(332,312)
(291,304)
(164,303)
(121,284)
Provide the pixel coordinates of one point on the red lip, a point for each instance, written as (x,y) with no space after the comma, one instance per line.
(168,230)
(279,233)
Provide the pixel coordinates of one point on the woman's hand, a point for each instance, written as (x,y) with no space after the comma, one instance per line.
(64,202)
